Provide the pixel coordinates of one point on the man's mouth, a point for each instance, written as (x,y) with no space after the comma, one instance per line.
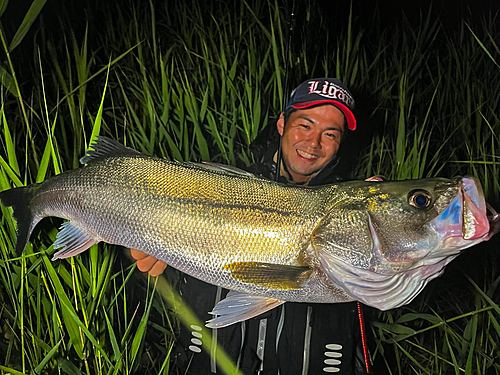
(306,155)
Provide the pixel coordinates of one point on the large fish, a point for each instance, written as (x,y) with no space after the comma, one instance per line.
(377,242)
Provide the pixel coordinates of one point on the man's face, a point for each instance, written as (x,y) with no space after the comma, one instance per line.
(310,139)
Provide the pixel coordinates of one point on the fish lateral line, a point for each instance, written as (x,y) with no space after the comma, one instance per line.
(234,206)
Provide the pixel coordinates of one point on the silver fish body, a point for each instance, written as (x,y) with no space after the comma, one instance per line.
(376,242)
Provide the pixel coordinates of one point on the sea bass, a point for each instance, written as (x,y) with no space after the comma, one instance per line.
(377,242)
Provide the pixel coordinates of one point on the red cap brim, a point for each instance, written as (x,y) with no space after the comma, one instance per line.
(351,120)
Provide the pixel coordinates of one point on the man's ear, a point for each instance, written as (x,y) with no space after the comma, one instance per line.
(280,124)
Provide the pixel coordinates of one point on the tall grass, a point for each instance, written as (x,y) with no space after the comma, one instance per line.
(195,81)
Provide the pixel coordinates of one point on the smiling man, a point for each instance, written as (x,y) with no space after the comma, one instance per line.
(310,140)
(295,338)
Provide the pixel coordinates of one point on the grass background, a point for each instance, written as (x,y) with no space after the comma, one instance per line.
(191,80)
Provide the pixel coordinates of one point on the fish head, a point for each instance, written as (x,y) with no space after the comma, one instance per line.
(424,221)
(383,241)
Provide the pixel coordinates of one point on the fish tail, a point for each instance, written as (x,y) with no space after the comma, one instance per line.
(19,199)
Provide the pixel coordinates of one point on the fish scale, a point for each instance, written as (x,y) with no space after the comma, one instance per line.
(267,242)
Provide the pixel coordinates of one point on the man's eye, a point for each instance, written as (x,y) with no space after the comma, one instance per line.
(305,126)
(331,135)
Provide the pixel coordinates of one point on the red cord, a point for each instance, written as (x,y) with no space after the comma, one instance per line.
(363,337)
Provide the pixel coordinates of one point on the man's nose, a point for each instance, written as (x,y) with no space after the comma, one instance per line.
(314,139)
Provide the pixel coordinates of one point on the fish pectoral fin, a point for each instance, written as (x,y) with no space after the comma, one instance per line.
(239,306)
(270,275)
(72,240)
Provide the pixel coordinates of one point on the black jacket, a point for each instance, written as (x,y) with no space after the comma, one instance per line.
(295,338)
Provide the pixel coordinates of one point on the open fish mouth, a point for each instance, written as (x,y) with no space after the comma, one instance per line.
(465,221)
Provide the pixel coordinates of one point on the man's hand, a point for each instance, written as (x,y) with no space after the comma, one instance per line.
(147,263)
(376,178)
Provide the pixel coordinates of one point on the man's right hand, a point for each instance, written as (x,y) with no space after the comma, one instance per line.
(147,263)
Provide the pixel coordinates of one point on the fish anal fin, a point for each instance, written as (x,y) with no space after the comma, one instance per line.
(103,147)
(270,275)
(72,240)
(239,306)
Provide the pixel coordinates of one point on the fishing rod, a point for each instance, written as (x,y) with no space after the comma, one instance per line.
(288,66)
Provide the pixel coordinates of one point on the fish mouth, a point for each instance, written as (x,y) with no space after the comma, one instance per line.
(465,221)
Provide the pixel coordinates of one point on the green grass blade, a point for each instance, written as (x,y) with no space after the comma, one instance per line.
(96,129)
(44,163)
(47,358)
(11,370)
(66,308)
(112,338)
(483,46)
(29,18)
(8,82)
(140,332)
(12,175)
(11,148)
(3,6)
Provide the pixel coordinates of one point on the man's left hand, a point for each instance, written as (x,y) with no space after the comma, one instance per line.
(147,263)
(376,178)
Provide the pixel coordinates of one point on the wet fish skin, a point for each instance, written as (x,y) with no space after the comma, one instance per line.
(270,242)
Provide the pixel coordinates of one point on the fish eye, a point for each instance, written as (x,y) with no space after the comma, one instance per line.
(419,199)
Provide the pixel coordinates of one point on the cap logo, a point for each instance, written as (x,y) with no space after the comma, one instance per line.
(331,91)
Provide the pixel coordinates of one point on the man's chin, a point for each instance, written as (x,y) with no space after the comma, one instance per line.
(303,174)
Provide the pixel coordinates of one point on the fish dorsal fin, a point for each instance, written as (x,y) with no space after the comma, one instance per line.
(103,147)
(269,275)
(220,168)
(239,306)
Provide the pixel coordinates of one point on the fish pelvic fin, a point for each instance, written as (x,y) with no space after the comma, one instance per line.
(269,275)
(239,306)
(19,199)
(103,147)
(72,240)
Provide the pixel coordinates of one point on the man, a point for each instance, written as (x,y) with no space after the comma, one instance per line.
(295,338)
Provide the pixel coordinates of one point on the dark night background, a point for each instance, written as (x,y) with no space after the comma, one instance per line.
(450,13)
